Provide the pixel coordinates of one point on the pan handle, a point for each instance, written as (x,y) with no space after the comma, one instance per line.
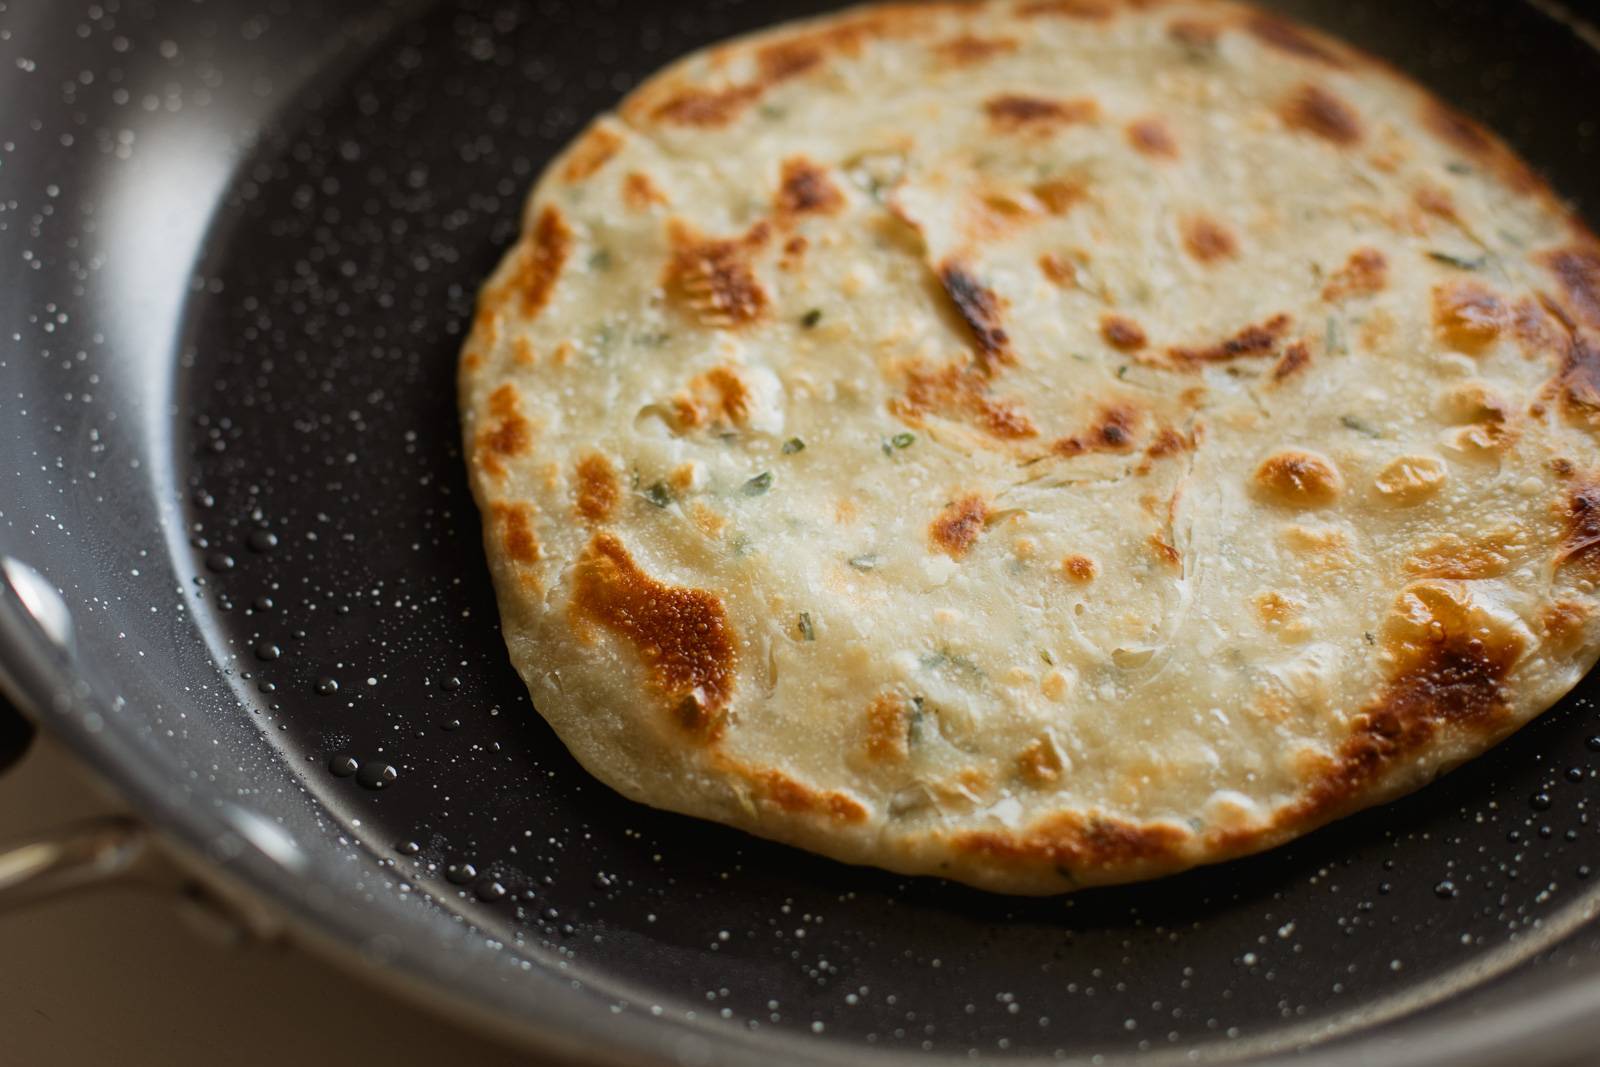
(16,736)
(89,853)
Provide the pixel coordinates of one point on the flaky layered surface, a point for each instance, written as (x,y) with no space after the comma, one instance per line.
(1041,444)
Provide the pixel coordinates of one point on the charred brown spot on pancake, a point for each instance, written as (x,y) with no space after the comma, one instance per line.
(515,524)
(641,193)
(967,49)
(1580,378)
(598,491)
(956,391)
(1074,843)
(1578,271)
(511,433)
(1295,358)
(1563,623)
(1468,315)
(1168,442)
(1079,568)
(681,635)
(1275,611)
(1436,200)
(888,729)
(956,529)
(1478,144)
(1580,549)
(1314,110)
(1455,557)
(794,797)
(1040,763)
(1448,662)
(1298,479)
(1194,34)
(1113,431)
(707,108)
(1291,39)
(1408,480)
(542,257)
(1208,240)
(979,308)
(1122,333)
(1151,137)
(787,60)
(1058,196)
(714,278)
(719,396)
(1488,417)
(1165,551)
(1366,271)
(1059,270)
(806,190)
(1537,331)
(1257,339)
(1015,113)
(593,151)
(522,352)
(1088,10)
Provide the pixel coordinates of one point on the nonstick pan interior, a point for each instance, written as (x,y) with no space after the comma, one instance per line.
(242,241)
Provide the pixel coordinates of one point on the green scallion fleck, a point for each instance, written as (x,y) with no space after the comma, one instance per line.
(903,440)
(867,562)
(659,494)
(810,319)
(600,259)
(807,631)
(793,445)
(758,485)
(1459,262)
(1334,339)
(1458,167)
(1359,425)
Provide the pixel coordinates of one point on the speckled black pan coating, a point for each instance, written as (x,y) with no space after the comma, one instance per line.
(239,242)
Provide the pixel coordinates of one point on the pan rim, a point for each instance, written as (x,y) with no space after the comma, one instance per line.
(337,929)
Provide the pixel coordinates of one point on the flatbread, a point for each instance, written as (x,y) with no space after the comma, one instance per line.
(1039,444)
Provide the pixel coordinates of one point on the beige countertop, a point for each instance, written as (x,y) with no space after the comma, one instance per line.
(121,978)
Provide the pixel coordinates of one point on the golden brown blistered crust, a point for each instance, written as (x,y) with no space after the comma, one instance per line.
(593,151)
(718,395)
(956,529)
(1456,558)
(1314,110)
(967,49)
(979,308)
(1293,40)
(1581,548)
(1580,377)
(1447,666)
(1295,358)
(1151,137)
(1075,844)
(598,491)
(540,261)
(1257,339)
(961,392)
(713,278)
(1015,113)
(1298,479)
(773,788)
(806,190)
(1207,240)
(514,523)
(1481,146)
(1089,10)
(640,193)
(1364,273)
(1079,568)
(510,436)
(1468,315)
(681,635)
(1122,333)
(888,729)
(1113,431)
(1578,270)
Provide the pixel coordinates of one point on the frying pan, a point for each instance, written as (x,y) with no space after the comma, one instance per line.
(239,243)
